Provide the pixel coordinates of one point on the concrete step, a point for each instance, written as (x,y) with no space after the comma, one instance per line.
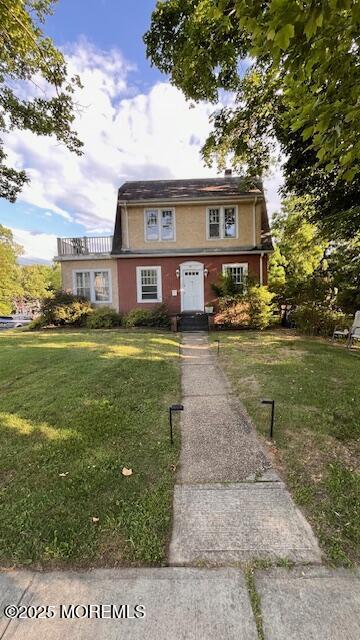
(193,322)
(229,523)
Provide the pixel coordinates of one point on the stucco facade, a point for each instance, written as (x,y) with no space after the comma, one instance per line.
(69,267)
(191,226)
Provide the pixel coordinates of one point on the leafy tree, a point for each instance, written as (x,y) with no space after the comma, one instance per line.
(299,252)
(27,56)
(10,285)
(39,281)
(300,86)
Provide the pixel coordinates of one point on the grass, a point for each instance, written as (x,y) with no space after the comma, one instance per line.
(75,408)
(315,385)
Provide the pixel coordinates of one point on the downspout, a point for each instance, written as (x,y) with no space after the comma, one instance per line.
(254,221)
(261,268)
(127,227)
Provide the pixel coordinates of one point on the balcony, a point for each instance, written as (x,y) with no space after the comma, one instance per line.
(82,247)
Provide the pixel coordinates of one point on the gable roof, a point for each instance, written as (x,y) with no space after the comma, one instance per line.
(188,189)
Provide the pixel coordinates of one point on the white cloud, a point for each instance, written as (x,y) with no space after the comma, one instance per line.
(145,136)
(37,246)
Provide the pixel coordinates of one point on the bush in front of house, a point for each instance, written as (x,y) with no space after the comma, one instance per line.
(64,308)
(316,320)
(158,317)
(103,318)
(251,310)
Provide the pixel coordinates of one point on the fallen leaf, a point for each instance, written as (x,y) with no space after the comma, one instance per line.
(95,520)
(63,475)
(173,467)
(126,472)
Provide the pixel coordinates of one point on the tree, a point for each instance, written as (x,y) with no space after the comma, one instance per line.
(301,84)
(299,252)
(27,56)
(39,281)
(10,285)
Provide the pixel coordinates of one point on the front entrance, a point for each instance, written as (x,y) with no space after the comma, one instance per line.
(192,286)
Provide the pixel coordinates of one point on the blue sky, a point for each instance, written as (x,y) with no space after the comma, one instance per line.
(134,124)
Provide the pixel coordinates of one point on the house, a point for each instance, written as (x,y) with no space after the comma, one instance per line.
(172,239)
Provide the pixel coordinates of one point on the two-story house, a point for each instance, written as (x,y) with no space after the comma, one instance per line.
(172,239)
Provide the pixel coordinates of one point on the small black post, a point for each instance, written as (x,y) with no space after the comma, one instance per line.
(179,348)
(272,402)
(218,347)
(173,407)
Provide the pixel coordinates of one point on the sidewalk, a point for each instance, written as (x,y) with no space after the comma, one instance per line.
(230,508)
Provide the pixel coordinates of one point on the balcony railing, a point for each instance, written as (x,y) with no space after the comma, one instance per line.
(84,246)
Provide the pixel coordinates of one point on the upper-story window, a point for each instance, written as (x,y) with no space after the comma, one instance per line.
(221,223)
(159,224)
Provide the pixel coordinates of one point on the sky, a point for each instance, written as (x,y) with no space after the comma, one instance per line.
(134,124)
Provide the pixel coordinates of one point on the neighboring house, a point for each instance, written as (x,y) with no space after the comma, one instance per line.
(172,240)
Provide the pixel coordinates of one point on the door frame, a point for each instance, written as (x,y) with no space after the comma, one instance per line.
(198,266)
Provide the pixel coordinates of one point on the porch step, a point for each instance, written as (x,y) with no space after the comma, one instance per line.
(193,322)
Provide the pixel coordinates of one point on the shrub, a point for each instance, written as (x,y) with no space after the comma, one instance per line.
(158,317)
(103,318)
(36,324)
(252,310)
(137,318)
(318,321)
(65,308)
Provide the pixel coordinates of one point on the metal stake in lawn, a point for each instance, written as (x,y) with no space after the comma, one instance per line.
(272,402)
(174,407)
(218,348)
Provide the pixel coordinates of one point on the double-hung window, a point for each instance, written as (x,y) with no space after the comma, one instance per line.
(159,224)
(238,272)
(93,284)
(221,223)
(148,284)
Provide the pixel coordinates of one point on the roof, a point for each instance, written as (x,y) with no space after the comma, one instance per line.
(188,189)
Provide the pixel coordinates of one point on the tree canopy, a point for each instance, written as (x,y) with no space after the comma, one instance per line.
(294,68)
(23,283)
(10,286)
(35,91)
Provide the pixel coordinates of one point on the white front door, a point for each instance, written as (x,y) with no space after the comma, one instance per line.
(192,286)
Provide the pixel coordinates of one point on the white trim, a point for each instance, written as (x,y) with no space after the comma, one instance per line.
(254,222)
(127,227)
(138,283)
(243,265)
(159,211)
(222,222)
(92,286)
(206,199)
(184,266)
(247,251)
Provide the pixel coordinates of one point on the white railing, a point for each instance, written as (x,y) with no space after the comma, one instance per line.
(84,246)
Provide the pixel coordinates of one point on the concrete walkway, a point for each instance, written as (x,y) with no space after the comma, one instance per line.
(229,507)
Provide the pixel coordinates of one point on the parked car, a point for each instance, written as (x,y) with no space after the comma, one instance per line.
(14,321)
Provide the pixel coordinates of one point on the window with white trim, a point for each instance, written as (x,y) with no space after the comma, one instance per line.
(148,284)
(93,284)
(221,223)
(159,224)
(238,272)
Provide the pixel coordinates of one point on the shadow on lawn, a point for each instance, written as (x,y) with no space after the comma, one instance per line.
(68,427)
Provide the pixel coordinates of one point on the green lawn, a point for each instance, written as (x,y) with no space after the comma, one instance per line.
(75,408)
(317,424)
